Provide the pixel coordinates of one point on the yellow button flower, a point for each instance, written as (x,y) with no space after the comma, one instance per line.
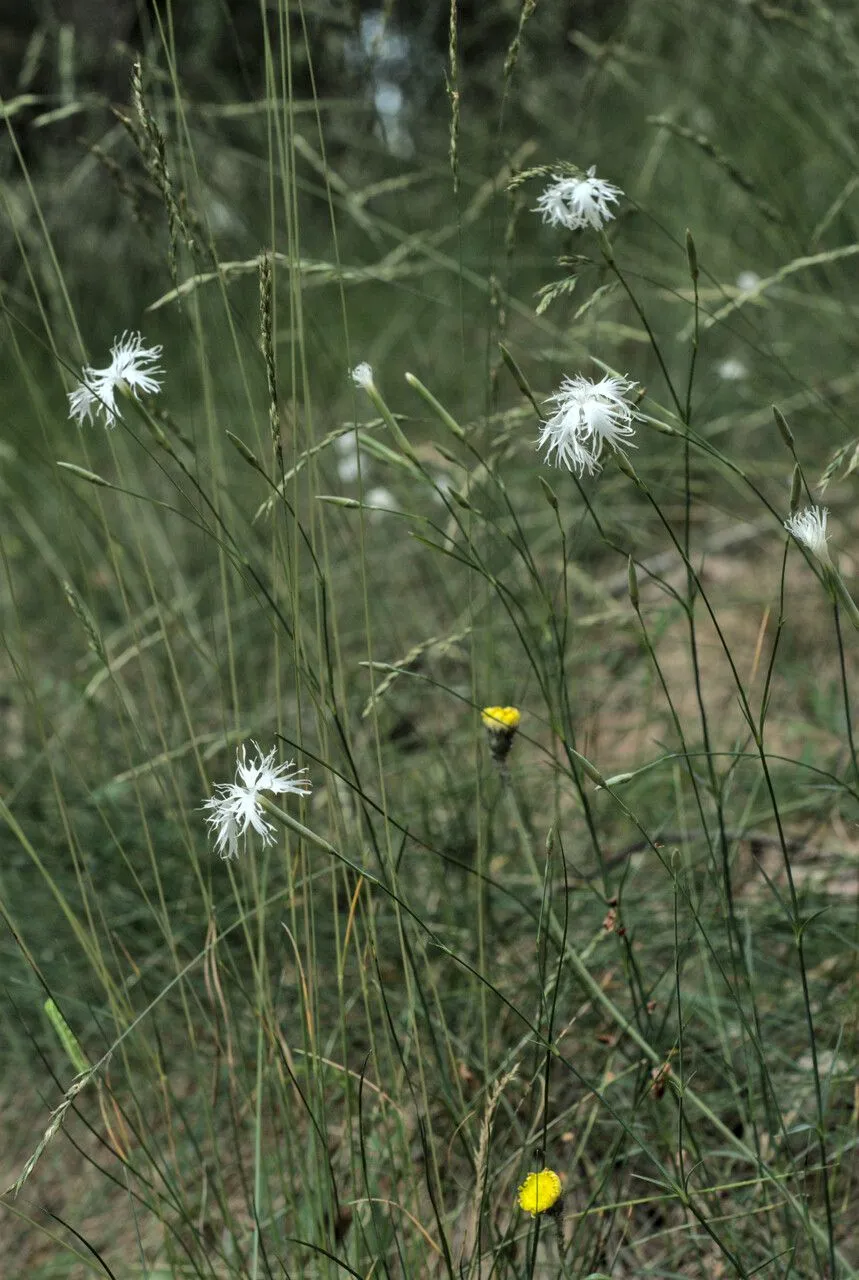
(501,724)
(540,1192)
(501,719)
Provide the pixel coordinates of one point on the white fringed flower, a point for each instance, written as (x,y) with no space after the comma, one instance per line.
(132,364)
(235,806)
(809,528)
(576,203)
(589,415)
(362,375)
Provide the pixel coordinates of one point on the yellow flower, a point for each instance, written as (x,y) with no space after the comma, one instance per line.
(501,719)
(540,1192)
(501,724)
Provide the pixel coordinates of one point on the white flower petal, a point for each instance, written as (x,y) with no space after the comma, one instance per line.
(222,820)
(293,784)
(82,402)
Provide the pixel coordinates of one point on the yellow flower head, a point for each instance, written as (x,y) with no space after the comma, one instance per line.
(501,724)
(540,1192)
(501,719)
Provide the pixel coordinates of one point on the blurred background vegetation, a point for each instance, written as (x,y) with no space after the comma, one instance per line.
(371,150)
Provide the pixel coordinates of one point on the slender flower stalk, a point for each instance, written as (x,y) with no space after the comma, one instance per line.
(588,416)
(578,202)
(236,807)
(133,367)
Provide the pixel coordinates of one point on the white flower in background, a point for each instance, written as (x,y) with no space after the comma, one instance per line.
(235,806)
(732,370)
(748,280)
(362,376)
(589,415)
(132,364)
(379,497)
(809,528)
(576,203)
(346,447)
(443,483)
